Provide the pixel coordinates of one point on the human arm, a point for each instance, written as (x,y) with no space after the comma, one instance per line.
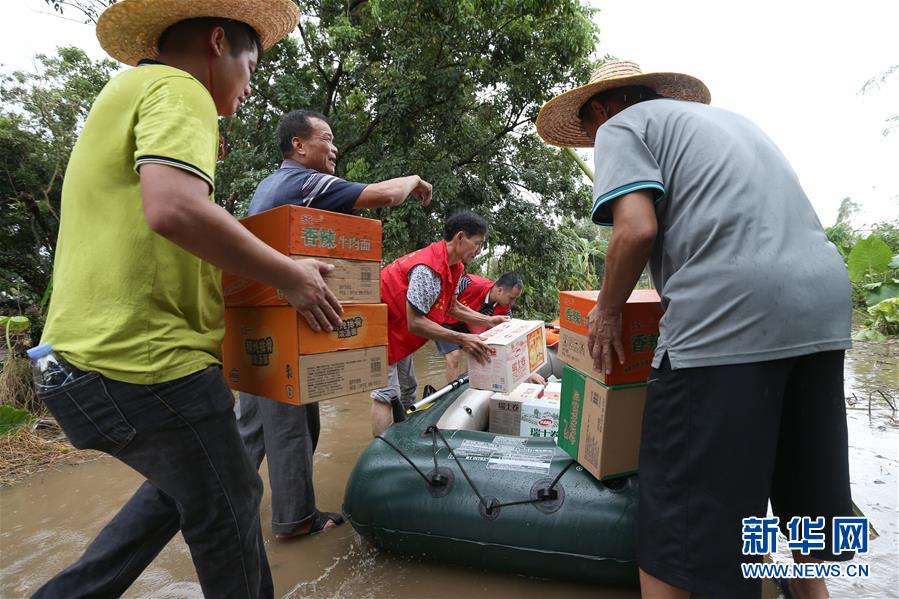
(394,192)
(461,312)
(421,325)
(176,205)
(631,244)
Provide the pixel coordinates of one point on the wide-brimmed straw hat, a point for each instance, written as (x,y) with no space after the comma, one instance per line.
(558,122)
(129,29)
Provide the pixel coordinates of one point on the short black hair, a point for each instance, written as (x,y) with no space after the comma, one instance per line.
(510,280)
(241,37)
(640,92)
(296,123)
(466,221)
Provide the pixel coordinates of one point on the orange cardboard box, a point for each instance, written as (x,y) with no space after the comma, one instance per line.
(351,281)
(639,334)
(312,232)
(272,352)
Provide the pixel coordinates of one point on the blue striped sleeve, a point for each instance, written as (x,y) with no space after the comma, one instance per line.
(602,212)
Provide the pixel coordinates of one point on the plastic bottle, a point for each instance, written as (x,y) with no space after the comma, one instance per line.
(49,369)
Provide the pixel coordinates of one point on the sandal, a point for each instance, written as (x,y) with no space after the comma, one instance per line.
(318,522)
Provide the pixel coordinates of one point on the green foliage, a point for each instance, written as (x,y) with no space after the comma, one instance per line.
(843,237)
(869,256)
(40,118)
(444,89)
(12,419)
(885,316)
(888,231)
(570,258)
(883,321)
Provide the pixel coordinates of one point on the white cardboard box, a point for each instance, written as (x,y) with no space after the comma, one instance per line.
(540,417)
(505,408)
(517,348)
(553,390)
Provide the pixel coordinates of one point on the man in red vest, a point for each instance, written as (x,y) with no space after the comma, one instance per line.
(484,296)
(420,291)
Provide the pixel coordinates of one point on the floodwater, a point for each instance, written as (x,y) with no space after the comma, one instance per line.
(46,522)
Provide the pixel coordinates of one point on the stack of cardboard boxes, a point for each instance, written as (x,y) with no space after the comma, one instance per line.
(518,349)
(601,414)
(270,350)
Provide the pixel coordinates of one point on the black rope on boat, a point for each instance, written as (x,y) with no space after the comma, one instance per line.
(549,495)
(433,429)
(559,477)
(405,457)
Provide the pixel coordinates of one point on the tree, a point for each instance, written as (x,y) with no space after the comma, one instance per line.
(442,88)
(39,123)
(841,233)
(86,10)
(876,82)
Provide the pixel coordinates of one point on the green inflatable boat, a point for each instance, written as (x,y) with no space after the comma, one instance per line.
(438,486)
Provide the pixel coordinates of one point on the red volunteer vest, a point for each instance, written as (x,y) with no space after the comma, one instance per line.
(395,284)
(473,297)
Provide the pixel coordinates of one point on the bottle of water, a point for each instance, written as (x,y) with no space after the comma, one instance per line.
(49,369)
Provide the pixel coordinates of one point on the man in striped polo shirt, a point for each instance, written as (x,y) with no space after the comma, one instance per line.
(287,433)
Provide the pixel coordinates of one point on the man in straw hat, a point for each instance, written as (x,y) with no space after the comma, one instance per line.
(137,306)
(745,399)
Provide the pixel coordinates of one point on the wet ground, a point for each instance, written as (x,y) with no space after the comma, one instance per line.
(46,521)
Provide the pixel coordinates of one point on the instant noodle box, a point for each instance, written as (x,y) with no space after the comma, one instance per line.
(350,243)
(272,352)
(351,281)
(517,348)
(599,426)
(639,334)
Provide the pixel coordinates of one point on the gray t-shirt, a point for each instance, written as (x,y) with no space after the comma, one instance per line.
(741,261)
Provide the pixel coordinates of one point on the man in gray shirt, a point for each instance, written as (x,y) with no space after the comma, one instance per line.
(745,400)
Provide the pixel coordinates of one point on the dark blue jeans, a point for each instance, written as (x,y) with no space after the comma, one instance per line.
(182,436)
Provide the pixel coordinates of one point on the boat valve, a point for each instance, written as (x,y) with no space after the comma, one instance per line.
(438,480)
(547,494)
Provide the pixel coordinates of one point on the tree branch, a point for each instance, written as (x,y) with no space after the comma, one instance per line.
(312,58)
(362,138)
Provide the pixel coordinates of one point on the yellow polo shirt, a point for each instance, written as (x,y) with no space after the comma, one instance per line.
(127,302)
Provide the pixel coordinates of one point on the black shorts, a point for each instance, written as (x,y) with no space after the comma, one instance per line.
(445,347)
(717,443)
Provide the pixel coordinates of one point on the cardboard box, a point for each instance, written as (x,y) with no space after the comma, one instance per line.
(517,347)
(599,425)
(553,390)
(505,408)
(540,417)
(639,334)
(272,352)
(311,232)
(352,281)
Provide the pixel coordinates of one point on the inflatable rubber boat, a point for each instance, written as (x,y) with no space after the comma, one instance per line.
(438,486)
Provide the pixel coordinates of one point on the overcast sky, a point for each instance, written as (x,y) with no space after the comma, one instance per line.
(795,67)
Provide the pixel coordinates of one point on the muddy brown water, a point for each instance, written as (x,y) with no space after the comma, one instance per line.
(46,521)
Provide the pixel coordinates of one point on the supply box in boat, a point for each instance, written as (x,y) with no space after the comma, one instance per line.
(272,352)
(540,418)
(517,348)
(350,243)
(639,335)
(527,411)
(600,425)
(505,408)
(553,390)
